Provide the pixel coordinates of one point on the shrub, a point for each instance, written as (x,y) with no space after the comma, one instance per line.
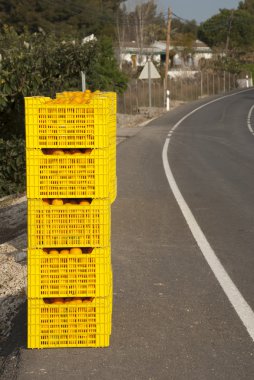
(12,166)
(38,64)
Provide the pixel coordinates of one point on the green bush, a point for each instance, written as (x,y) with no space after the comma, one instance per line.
(38,64)
(12,166)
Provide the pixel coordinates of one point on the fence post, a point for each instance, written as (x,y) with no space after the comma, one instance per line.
(201,84)
(149,83)
(137,92)
(247,81)
(130,99)
(207,81)
(168,100)
(124,103)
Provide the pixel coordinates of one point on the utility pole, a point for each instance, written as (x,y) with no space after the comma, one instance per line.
(167,47)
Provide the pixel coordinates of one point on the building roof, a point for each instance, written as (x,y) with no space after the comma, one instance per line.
(134,48)
(159,47)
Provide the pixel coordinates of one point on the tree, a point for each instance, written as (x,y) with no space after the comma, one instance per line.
(147,25)
(247,5)
(63,17)
(185,27)
(231,29)
(38,64)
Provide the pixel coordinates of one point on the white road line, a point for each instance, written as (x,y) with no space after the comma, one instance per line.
(249,120)
(236,299)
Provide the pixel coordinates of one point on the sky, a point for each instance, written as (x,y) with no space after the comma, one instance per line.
(199,10)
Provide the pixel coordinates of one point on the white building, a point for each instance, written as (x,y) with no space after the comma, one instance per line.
(134,55)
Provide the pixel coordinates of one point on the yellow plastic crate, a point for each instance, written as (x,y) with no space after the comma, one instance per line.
(112,119)
(110,95)
(113,190)
(69,325)
(68,175)
(112,161)
(69,225)
(70,125)
(112,98)
(111,296)
(68,275)
(112,108)
(112,173)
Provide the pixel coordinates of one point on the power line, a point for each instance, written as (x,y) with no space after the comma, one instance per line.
(180,18)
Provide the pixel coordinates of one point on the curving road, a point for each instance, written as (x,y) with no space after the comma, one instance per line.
(172,318)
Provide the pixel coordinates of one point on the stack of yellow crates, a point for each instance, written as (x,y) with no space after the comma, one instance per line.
(71,183)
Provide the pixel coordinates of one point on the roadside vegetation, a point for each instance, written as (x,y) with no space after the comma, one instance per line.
(37,64)
(42,52)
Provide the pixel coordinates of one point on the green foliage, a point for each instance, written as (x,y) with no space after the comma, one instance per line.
(12,166)
(67,17)
(37,64)
(248,68)
(188,27)
(247,5)
(104,74)
(236,27)
(228,64)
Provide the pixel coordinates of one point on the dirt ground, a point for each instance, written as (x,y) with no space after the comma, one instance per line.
(12,260)
(130,121)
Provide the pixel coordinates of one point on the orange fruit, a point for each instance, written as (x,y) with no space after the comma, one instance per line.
(78,299)
(58,152)
(84,202)
(64,252)
(57,202)
(76,251)
(58,301)
(79,99)
(73,301)
(53,252)
(46,201)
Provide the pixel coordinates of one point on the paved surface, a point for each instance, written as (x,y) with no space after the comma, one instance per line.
(13,220)
(171,318)
(128,132)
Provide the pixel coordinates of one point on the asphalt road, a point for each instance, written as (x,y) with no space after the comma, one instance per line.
(171,318)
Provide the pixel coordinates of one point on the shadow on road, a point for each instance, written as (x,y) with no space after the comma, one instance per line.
(14,221)
(10,348)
